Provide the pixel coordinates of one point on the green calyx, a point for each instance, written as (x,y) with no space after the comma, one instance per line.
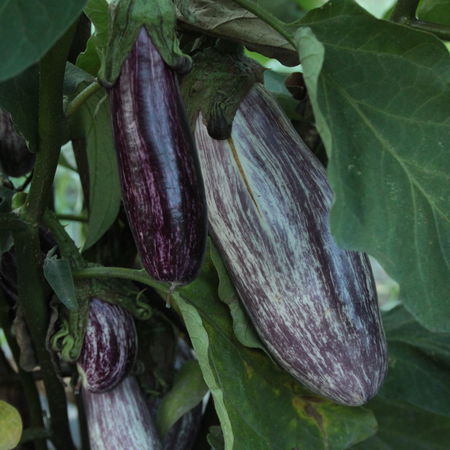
(126,19)
(220,79)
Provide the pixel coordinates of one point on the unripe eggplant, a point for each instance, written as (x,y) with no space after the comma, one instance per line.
(120,419)
(109,347)
(162,186)
(313,304)
(15,158)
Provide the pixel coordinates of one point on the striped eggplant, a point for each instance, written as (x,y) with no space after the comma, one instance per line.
(120,419)
(109,347)
(162,186)
(15,158)
(313,304)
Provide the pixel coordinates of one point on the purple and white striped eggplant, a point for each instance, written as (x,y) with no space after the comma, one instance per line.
(313,304)
(162,186)
(15,158)
(109,347)
(120,419)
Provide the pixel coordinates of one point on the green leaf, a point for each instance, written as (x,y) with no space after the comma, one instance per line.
(381,106)
(436,11)
(243,328)
(403,427)
(215,438)
(259,405)
(89,60)
(19,96)
(58,274)
(94,120)
(401,327)
(10,426)
(187,392)
(416,379)
(28,31)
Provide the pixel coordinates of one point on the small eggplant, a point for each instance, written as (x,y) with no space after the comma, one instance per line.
(109,347)
(162,186)
(15,158)
(313,304)
(120,419)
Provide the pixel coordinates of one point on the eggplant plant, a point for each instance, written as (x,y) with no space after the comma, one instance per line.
(281,173)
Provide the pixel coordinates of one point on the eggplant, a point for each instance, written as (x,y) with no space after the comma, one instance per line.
(313,304)
(15,158)
(109,348)
(120,418)
(162,186)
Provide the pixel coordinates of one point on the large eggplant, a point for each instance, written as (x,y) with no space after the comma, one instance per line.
(162,186)
(313,304)
(120,419)
(15,158)
(109,347)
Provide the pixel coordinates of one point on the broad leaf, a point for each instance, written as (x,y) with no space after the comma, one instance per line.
(89,60)
(188,390)
(381,106)
(403,427)
(10,426)
(28,30)
(19,96)
(437,11)
(259,405)
(104,187)
(58,274)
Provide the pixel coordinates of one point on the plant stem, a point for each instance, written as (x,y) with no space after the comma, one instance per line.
(87,92)
(66,245)
(267,17)
(51,77)
(26,379)
(120,272)
(404,11)
(34,302)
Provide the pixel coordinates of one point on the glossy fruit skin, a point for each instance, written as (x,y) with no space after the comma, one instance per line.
(120,418)
(15,158)
(313,304)
(162,186)
(109,347)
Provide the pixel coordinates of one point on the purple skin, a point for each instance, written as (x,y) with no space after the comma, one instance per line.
(120,419)
(162,186)
(109,347)
(183,432)
(15,158)
(313,304)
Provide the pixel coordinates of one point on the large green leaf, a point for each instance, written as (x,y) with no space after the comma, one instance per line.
(380,95)
(401,327)
(259,405)
(29,29)
(403,427)
(437,11)
(104,187)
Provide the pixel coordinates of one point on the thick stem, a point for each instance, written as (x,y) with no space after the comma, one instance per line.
(265,16)
(120,272)
(72,217)
(84,95)
(404,11)
(51,77)
(66,245)
(34,303)
(26,379)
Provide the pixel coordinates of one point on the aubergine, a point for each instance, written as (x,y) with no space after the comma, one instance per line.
(15,158)
(120,418)
(162,186)
(109,348)
(313,304)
